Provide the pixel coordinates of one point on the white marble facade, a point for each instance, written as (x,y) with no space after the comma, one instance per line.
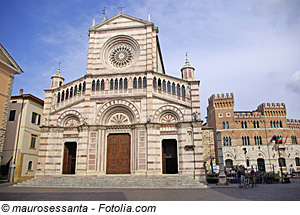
(125,94)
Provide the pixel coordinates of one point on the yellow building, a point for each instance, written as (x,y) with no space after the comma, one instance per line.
(8,69)
(21,145)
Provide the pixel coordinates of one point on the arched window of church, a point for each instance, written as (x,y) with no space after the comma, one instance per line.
(116,84)
(67,93)
(98,85)
(83,87)
(183,91)
(223,125)
(280,124)
(178,89)
(121,83)
(93,85)
(111,84)
(159,84)
(125,83)
(144,82)
(71,92)
(154,82)
(271,124)
(164,87)
(245,124)
(75,90)
(227,125)
(134,83)
(173,88)
(169,87)
(140,82)
(102,84)
(229,141)
(242,123)
(58,97)
(62,95)
(79,88)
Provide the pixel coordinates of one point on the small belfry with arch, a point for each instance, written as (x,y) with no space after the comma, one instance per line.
(125,116)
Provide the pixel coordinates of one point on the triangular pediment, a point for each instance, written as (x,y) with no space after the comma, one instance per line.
(120,20)
(8,62)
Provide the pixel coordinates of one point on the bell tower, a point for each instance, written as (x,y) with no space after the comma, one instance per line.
(187,71)
(57,80)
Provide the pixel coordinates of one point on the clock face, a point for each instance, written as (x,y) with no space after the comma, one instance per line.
(121,56)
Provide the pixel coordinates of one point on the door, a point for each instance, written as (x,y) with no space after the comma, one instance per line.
(169,159)
(118,154)
(69,162)
(261,164)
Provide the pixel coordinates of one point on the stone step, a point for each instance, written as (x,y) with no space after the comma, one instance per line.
(114,182)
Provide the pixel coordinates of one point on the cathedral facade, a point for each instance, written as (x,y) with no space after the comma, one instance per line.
(125,115)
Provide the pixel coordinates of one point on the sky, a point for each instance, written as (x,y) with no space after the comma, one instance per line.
(247,47)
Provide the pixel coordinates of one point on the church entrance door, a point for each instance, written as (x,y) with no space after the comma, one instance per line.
(118,154)
(169,159)
(69,162)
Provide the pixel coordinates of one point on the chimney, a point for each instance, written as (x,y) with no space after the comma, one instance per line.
(21,92)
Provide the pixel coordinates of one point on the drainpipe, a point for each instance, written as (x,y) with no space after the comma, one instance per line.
(16,149)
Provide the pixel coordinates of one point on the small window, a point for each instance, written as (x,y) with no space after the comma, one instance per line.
(12,115)
(297,160)
(282,162)
(228,114)
(33,141)
(220,115)
(36,118)
(29,166)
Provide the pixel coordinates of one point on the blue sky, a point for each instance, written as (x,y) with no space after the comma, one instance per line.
(248,47)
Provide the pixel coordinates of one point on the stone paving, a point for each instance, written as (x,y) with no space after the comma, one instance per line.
(264,192)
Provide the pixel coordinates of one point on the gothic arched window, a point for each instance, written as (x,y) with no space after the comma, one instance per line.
(121,83)
(71,92)
(183,91)
(144,82)
(111,84)
(116,84)
(83,87)
(154,82)
(98,85)
(164,85)
(178,89)
(102,84)
(173,88)
(140,82)
(135,83)
(93,85)
(125,83)
(169,87)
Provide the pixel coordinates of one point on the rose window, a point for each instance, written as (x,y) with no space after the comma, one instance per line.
(121,56)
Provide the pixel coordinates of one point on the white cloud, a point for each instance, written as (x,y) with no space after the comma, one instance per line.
(294,83)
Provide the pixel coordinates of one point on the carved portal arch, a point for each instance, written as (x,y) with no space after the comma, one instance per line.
(168,112)
(70,118)
(117,112)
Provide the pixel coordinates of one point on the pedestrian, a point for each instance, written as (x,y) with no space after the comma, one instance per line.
(252,174)
(238,178)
